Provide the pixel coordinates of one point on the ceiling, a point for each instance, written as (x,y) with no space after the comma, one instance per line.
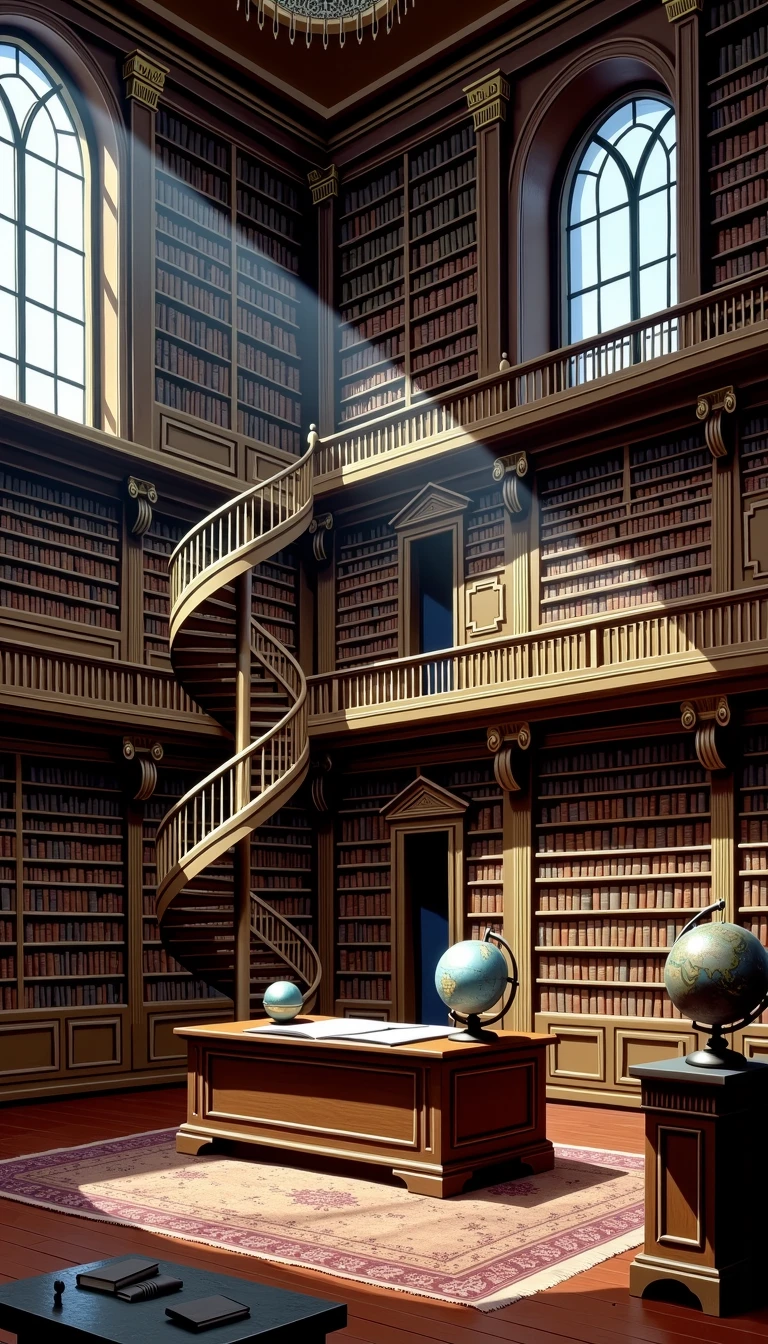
(330,82)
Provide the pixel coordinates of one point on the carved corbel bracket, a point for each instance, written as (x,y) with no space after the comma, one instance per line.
(680,9)
(710,719)
(145,754)
(323,183)
(716,410)
(509,742)
(320,531)
(141,495)
(487,99)
(320,769)
(144,79)
(512,472)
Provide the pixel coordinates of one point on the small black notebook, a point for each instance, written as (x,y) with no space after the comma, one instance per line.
(111,1278)
(207,1312)
(159,1286)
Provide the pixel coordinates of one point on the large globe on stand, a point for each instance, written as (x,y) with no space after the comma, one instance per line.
(717,975)
(471,976)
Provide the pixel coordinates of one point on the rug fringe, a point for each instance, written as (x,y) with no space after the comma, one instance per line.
(550,1278)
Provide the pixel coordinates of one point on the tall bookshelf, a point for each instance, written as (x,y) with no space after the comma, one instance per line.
(164,980)
(276,597)
(157,545)
(282,874)
(367,595)
(408,277)
(753,452)
(483,846)
(10,912)
(227,302)
(364,897)
(59,553)
(626,529)
(484,535)
(752,835)
(622,859)
(737,43)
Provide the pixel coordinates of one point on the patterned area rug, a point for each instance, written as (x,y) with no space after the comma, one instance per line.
(483,1249)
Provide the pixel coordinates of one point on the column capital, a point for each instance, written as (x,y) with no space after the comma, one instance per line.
(142,495)
(510,472)
(323,183)
(680,9)
(487,99)
(709,718)
(716,410)
(144,79)
(508,742)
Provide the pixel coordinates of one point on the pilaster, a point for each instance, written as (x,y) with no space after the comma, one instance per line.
(716,410)
(487,101)
(686,16)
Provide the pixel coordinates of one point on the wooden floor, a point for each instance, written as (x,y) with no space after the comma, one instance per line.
(593,1308)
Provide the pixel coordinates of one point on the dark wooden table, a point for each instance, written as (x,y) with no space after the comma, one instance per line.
(27,1310)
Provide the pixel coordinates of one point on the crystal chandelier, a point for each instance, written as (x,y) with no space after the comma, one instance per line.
(327,16)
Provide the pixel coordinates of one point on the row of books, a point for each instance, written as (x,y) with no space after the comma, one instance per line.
(184,364)
(739,234)
(191,206)
(738,110)
(755,861)
(445,295)
(73,931)
(61,611)
(166,224)
(620,601)
(365,222)
(377,303)
(58,583)
(442,151)
(458,346)
(741,84)
(30,489)
(643,805)
(69,849)
(446,373)
(363,933)
(192,329)
(164,991)
(487,902)
(745,168)
(354,905)
(256,175)
(444,212)
(200,267)
(455,319)
(660,933)
(9,998)
(443,244)
(365,827)
(73,996)
(261,296)
(40,554)
(383,273)
(628,896)
(268,399)
(389,348)
(250,324)
(205,180)
(731,55)
(262,273)
(356,198)
(176,287)
(488,871)
(451,180)
(629,550)
(97,962)
(609,1002)
(7,929)
(364,960)
(8,968)
(372,249)
(155,960)
(192,401)
(633,970)
(268,366)
(370,404)
(253,207)
(266,246)
(462,265)
(28,525)
(266,431)
(391,374)
(733,146)
(73,902)
(187,136)
(638,865)
(741,265)
(281,857)
(383,321)
(376,988)
(753,830)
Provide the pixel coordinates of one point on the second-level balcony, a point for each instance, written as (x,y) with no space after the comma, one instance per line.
(723,330)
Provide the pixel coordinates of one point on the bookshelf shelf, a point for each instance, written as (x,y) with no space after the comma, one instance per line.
(748,12)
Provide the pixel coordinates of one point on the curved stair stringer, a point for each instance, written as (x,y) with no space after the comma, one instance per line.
(195,911)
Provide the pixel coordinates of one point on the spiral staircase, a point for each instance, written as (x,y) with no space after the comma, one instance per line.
(241,675)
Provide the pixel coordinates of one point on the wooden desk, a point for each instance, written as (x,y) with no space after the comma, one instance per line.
(435,1113)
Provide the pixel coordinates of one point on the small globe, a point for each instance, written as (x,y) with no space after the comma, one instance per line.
(717,974)
(471,976)
(283,1001)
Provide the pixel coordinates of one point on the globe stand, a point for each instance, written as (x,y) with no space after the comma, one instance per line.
(473,1029)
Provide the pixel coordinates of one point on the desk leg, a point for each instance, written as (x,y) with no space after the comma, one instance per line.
(191,1144)
(439,1187)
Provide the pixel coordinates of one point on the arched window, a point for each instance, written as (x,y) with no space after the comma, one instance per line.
(620,226)
(42,240)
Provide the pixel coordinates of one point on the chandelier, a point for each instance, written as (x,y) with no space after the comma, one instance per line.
(327,16)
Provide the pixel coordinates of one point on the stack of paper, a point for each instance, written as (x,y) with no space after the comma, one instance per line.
(366,1030)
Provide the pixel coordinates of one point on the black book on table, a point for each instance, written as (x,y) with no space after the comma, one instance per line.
(207,1312)
(119,1274)
(159,1286)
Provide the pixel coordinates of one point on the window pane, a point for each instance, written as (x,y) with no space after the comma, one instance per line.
(32,74)
(653,288)
(42,137)
(69,153)
(70,210)
(584,316)
(615,305)
(632,146)
(656,173)
(612,190)
(584,201)
(41,196)
(40,349)
(7,254)
(616,123)
(7,325)
(69,350)
(7,61)
(71,401)
(650,112)
(21,98)
(41,390)
(70,296)
(653,238)
(583,257)
(7,181)
(614,244)
(40,262)
(8,379)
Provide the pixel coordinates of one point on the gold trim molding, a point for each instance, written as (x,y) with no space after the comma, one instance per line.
(323,183)
(713,408)
(144,79)
(709,717)
(511,472)
(508,741)
(487,99)
(680,9)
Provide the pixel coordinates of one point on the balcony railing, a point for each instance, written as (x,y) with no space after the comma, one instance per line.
(685,327)
(701,636)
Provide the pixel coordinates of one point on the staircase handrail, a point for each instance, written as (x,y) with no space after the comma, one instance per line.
(265,922)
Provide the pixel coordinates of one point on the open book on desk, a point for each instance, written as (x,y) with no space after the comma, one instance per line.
(366,1031)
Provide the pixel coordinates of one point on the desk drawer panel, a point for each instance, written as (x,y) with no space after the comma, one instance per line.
(312,1096)
(493,1103)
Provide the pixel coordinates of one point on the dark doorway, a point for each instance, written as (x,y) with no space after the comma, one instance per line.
(432,593)
(426,929)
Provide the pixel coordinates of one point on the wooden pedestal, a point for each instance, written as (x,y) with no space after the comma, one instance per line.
(436,1114)
(706,1183)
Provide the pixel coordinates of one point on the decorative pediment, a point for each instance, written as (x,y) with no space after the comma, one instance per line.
(424,799)
(432,501)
